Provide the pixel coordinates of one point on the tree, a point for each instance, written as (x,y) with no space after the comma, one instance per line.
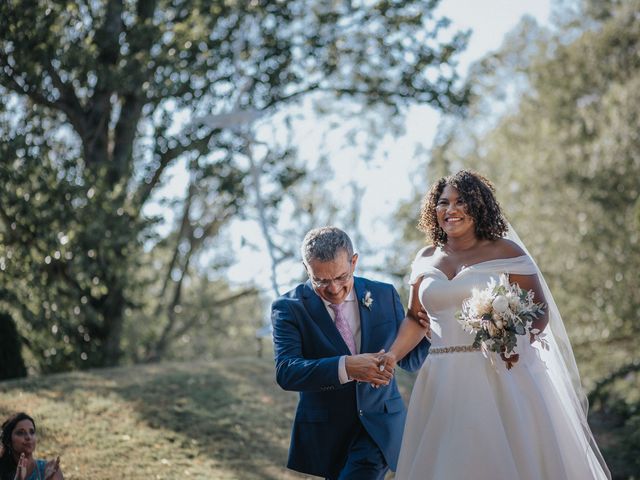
(98,103)
(11,363)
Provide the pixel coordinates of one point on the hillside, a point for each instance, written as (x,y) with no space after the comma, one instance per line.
(208,421)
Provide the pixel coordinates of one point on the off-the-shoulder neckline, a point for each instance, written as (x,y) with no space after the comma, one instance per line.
(467,267)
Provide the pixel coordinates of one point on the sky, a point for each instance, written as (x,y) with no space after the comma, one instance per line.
(489,21)
(395,173)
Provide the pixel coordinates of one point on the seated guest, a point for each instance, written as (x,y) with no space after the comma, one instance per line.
(18,444)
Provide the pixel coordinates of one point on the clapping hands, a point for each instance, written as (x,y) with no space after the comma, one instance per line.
(51,469)
(21,471)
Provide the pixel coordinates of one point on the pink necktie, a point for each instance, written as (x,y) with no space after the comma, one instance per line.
(343,326)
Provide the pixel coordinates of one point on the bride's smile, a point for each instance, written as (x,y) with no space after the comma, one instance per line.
(451,213)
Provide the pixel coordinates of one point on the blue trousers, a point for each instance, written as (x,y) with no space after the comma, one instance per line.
(364,459)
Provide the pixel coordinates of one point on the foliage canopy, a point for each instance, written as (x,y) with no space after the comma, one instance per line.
(101,98)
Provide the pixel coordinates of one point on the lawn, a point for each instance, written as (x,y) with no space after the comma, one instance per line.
(218,420)
(221,420)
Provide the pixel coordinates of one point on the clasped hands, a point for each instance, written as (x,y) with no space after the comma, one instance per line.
(377,369)
(52,467)
(374,368)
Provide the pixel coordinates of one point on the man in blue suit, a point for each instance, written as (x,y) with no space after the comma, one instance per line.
(328,334)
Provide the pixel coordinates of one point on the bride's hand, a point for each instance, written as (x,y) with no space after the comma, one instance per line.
(387,361)
(511,360)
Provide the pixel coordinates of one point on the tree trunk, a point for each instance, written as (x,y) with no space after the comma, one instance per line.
(11,361)
(113,320)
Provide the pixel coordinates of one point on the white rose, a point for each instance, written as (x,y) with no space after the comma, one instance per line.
(514,303)
(500,304)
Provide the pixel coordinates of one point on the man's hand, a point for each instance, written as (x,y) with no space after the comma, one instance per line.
(366,368)
(423,320)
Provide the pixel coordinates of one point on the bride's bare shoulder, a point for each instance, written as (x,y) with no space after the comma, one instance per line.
(426,252)
(505,248)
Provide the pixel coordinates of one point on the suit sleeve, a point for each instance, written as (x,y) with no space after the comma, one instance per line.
(294,371)
(414,359)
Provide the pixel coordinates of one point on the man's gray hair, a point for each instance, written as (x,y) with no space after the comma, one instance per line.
(324,243)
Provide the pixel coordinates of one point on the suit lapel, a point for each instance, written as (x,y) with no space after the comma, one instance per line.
(319,314)
(365,315)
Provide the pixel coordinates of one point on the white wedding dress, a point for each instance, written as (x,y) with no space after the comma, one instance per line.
(471,419)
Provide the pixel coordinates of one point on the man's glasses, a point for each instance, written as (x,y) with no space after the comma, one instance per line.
(341,280)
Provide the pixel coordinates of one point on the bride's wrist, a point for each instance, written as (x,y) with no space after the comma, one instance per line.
(393,356)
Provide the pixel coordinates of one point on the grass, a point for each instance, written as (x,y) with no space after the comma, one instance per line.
(220,420)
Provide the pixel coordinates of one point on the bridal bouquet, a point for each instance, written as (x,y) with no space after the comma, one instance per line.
(497,313)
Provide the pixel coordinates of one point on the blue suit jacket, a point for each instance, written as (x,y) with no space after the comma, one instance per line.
(308,348)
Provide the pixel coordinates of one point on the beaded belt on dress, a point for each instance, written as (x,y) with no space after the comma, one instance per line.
(454,348)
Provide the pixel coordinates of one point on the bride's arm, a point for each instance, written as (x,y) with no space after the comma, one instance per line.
(508,248)
(531,282)
(411,332)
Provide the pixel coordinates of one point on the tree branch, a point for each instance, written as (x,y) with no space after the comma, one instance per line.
(133,101)
(125,132)
(220,303)
(210,229)
(184,224)
(68,103)
(96,142)
(25,89)
(146,188)
(166,336)
(287,98)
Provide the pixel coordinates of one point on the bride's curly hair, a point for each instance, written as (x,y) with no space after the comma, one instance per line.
(478,195)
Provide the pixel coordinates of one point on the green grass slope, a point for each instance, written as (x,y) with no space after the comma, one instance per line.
(221,420)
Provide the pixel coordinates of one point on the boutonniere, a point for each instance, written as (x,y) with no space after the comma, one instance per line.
(367,300)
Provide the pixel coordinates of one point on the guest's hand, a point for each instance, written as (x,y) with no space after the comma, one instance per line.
(21,471)
(51,469)
(366,368)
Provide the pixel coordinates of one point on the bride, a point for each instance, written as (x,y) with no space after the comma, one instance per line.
(472,415)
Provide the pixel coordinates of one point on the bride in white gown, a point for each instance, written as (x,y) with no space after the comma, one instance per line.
(470,417)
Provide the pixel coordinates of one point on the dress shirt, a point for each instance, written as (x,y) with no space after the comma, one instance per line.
(352,314)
